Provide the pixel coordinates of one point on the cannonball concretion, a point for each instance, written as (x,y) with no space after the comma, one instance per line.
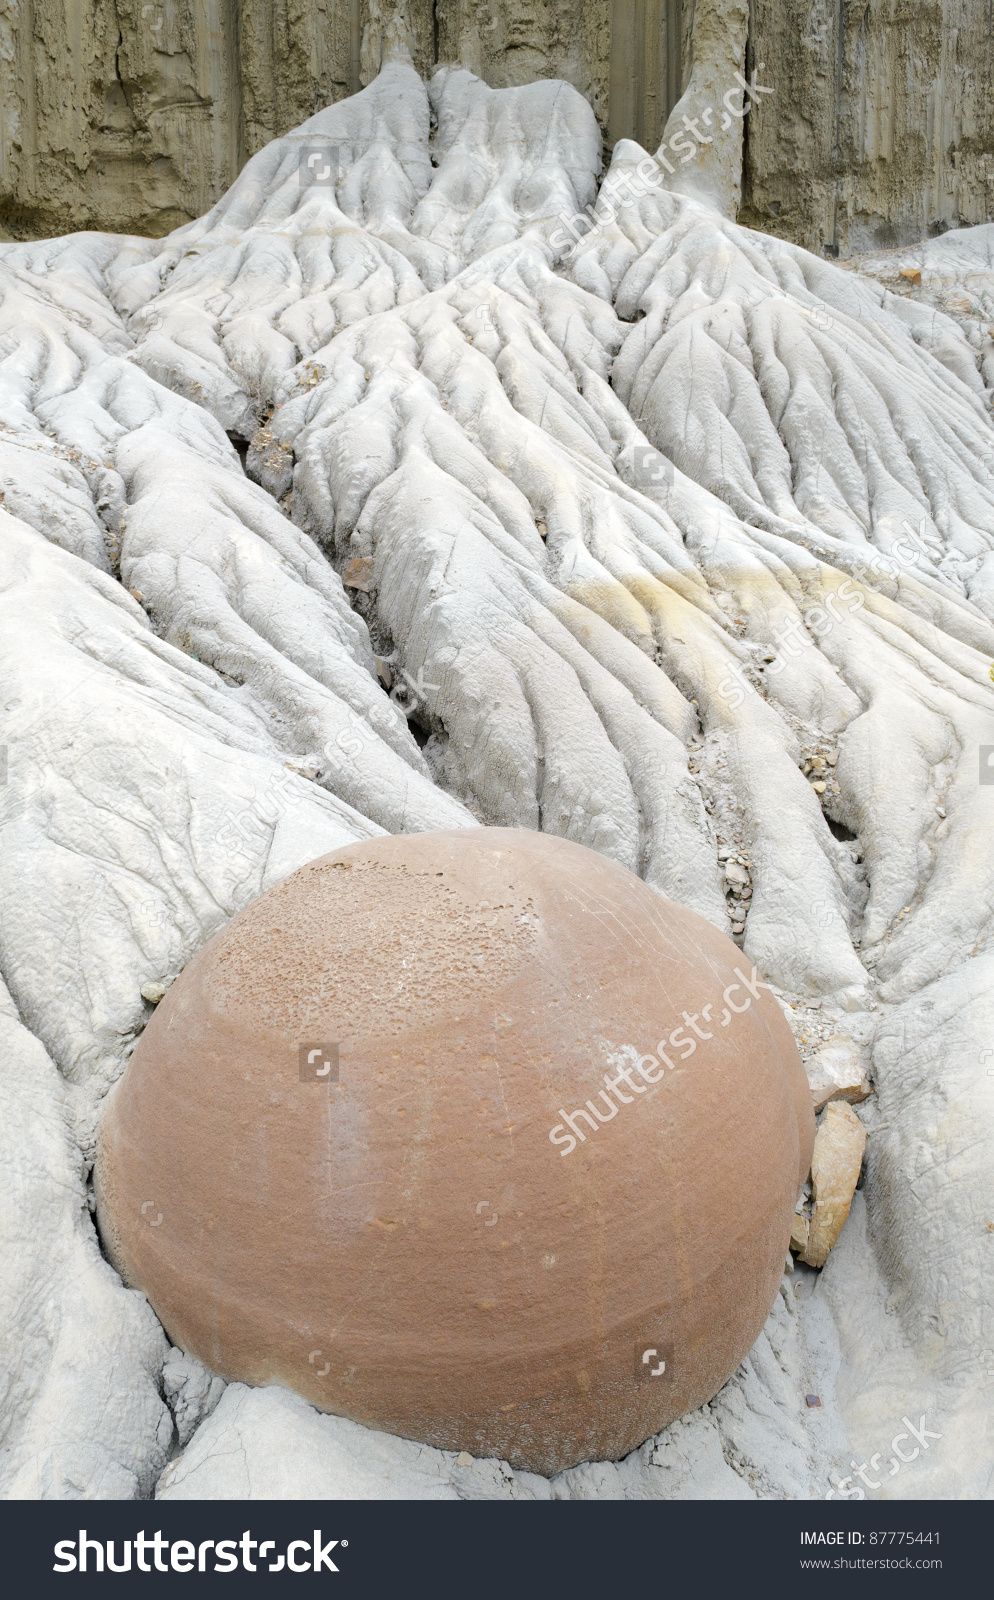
(471,1137)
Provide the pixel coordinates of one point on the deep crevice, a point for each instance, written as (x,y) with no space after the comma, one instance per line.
(841,831)
(241,447)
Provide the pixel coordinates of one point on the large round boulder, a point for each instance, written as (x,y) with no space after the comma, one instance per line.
(472,1137)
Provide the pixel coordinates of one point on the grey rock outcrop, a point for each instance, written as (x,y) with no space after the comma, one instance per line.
(882,130)
(137,115)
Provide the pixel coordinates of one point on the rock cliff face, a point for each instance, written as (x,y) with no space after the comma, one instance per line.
(882,129)
(136,115)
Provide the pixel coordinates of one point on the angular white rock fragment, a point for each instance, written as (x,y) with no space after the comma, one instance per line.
(835,1072)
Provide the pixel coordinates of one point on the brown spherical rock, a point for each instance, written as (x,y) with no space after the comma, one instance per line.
(366,1148)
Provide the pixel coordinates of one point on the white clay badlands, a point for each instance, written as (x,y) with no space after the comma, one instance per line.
(678,544)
